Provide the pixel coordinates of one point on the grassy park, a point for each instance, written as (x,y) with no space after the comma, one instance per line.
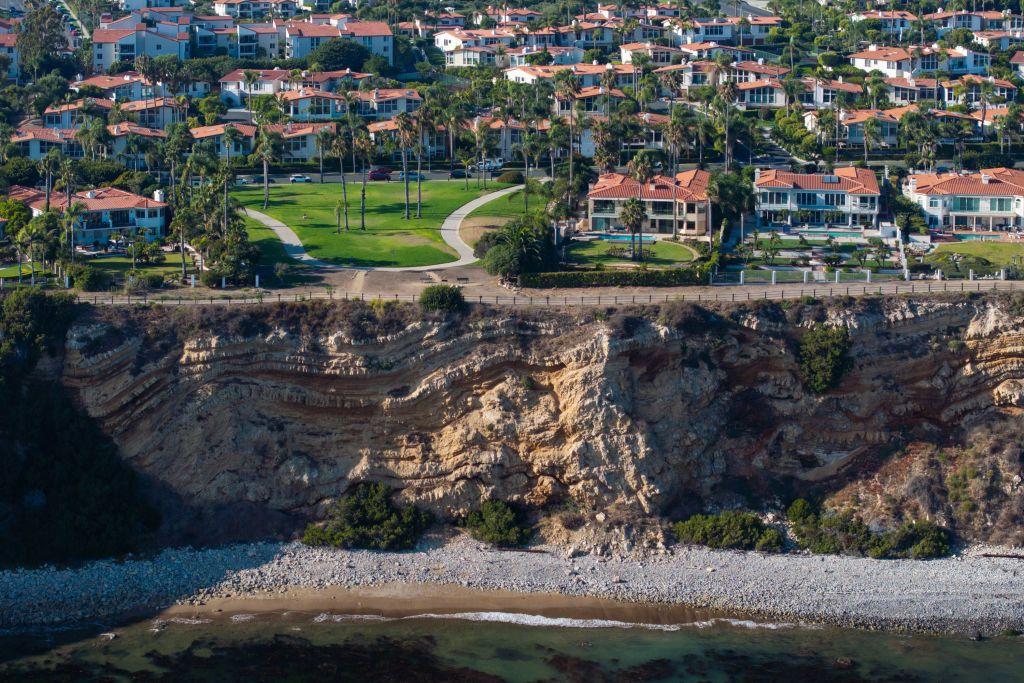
(997,253)
(388,241)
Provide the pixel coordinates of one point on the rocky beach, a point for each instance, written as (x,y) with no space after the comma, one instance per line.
(970,593)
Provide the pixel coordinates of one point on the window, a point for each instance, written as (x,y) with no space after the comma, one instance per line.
(933,202)
(1003,204)
(806,198)
(966,204)
(835,199)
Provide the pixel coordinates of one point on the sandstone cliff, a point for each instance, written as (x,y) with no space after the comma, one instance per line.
(248,422)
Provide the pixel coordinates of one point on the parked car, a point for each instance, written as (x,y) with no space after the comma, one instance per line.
(299,178)
(245,180)
(494,164)
(380,174)
(457,173)
(413,175)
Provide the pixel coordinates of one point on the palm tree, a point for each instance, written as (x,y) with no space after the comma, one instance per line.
(48,166)
(70,219)
(406,133)
(268,150)
(363,144)
(642,170)
(251,78)
(872,134)
(324,140)
(339,146)
(567,89)
(340,209)
(632,218)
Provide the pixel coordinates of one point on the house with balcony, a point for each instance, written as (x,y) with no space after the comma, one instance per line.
(307,104)
(9,47)
(851,127)
(673,205)
(256,9)
(74,114)
(158,112)
(945,21)
(907,62)
(990,200)
(590,101)
(894,22)
(659,55)
(560,56)
(255,41)
(967,90)
(214,137)
(1017,63)
(434,143)
(301,141)
(130,141)
(748,30)
(35,142)
(375,36)
(122,87)
(384,103)
(912,90)
(125,44)
(234,90)
(108,213)
(848,196)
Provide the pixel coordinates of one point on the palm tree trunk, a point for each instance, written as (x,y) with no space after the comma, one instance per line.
(419,182)
(266,184)
(344,188)
(321,148)
(362,201)
(405,180)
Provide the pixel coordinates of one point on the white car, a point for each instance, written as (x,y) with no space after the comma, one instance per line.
(490,164)
(244,180)
(299,178)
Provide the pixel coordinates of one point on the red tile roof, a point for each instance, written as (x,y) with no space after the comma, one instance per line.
(688,186)
(127,128)
(859,181)
(997,182)
(100,199)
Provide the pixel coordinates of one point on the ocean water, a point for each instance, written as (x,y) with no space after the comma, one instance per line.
(496,646)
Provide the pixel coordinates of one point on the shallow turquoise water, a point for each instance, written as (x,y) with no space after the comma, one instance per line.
(306,646)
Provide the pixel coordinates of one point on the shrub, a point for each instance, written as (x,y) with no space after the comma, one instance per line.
(730,529)
(612,278)
(485,243)
(89,279)
(153,280)
(497,523)
(919,540)
(366,518)
(442,298)
(210,278)
(511,177)
(823,358)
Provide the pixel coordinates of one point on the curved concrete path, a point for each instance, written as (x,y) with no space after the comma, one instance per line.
(449,233)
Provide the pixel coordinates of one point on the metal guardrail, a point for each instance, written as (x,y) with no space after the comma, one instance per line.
(748,293)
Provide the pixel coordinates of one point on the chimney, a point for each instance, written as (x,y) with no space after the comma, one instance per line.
(985,179)
(757,174)
(873,47)
(91,194)
(912,182)
(760,60)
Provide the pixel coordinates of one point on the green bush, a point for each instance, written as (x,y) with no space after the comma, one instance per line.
(485,243)
(846,534)
(210,278)
(823,356)
(511,177)
(153,280)
(497,523)
(89,279)
(670,277)
(442,298)
(366,518)
(730,529)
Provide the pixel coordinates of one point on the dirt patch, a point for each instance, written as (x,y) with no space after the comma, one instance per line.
(472,229)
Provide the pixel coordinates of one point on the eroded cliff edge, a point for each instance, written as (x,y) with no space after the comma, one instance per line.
(247,422)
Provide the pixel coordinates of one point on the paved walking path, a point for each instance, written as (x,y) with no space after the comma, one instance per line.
(449,233)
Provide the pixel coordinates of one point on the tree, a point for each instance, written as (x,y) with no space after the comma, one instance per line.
(339,147)
(642,170)
(250,78)
(338,54)
(567,89)
(268,150)
(49,165)
(872,134)
(406,129)
(632,218)
(364,147)
(40,36)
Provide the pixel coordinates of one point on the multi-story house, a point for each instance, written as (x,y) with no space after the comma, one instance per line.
(906,62)
(560,56)
(659,55)
(851,127)
(770,93)
(911,90)
(73,114)
(113,45)
(434,143)
(307,104)
(676,205)
(214,136)
(967,90)
(992,199)
(9,47)
(749,30)
(945,21)
(895,22)
(234,89)
(125,147)
(35,142)
(158,112)
(710,50)
(1017,62)
(591,100)
(253,41)
(507,15)
(847,196)
(302,37)
(301,140)
(384,103)
(455,39)
(256,9)
(476,56)
(107,213)
(126,86)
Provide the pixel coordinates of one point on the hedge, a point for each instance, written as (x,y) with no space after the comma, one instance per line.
(671,277)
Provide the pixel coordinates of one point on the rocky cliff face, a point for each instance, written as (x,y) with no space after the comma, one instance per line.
(250,422)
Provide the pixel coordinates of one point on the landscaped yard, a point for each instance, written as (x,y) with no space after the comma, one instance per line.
(614,253)
(492,216)
(388,241)
(998,253)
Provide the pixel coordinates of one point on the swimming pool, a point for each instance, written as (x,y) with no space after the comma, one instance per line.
(622,238)
(831,233)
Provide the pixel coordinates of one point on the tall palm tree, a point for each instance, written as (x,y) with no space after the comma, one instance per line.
(567,89)
(324,141)
(364,146)
(406,133)
(339,147)
(872,134)
(250,78)
(48,166)
(642,170)
(268,150)
(632,218)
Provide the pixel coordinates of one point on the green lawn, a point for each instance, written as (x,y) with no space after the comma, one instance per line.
(272,253)
(388,240)
(504,207)
(598,251)
(26,269)
(120,265)
(998,253)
